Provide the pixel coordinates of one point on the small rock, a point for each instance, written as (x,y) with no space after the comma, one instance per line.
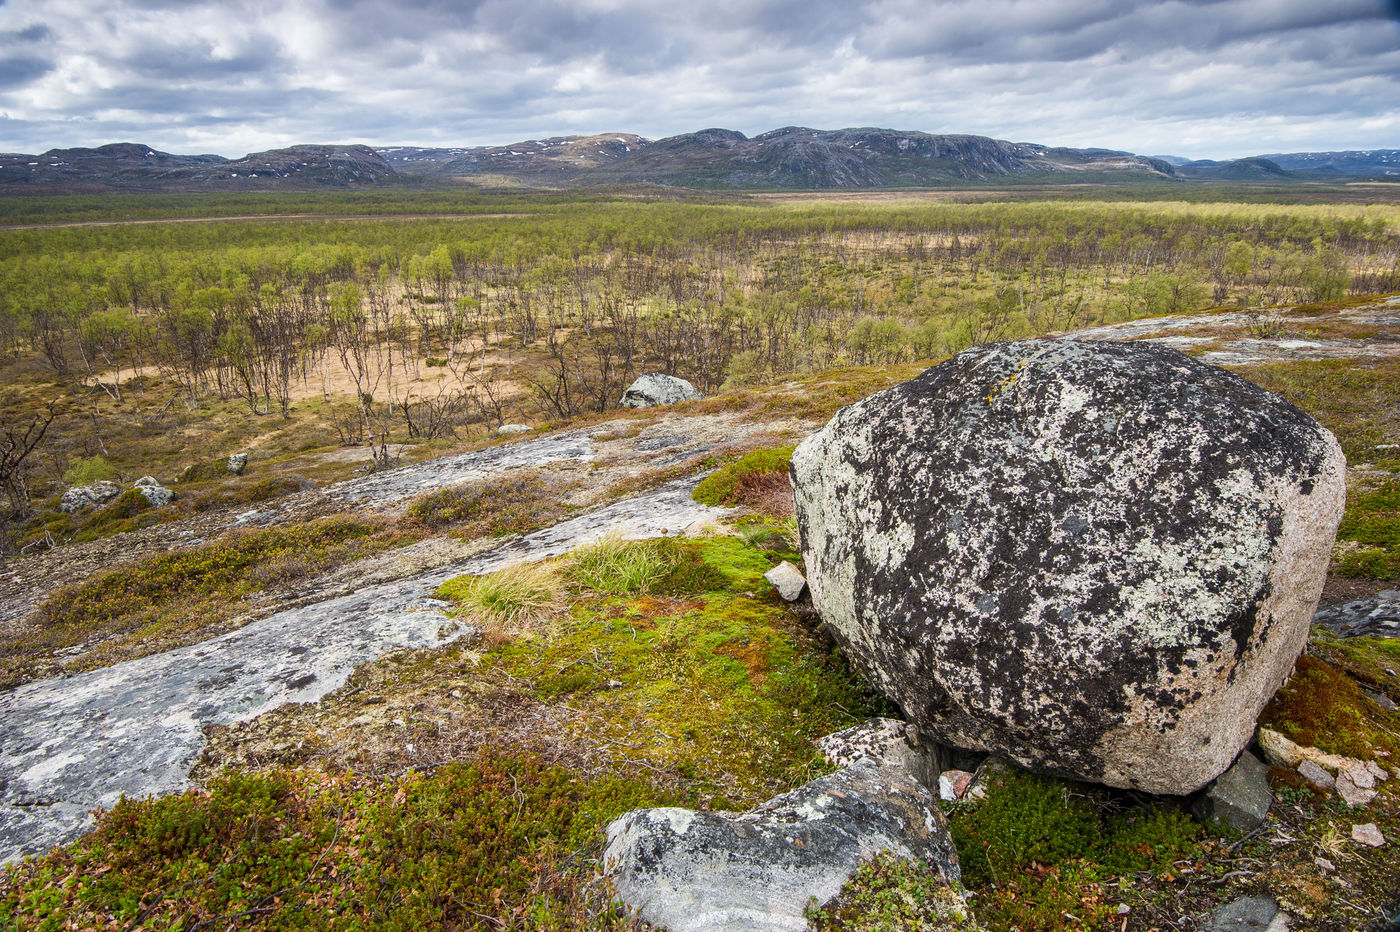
(1239,797)
(1324,865)
(237,463)
(508,429)
(1377,770)
(788,580)
(146,482)
(657,388)
(728,872)
(1368,834)
(1124,909)
(1352,793)
(1382,700)
(1249,914)
(1278,750)
(1361,775)
(878,739)
(952,784)
(1314,774)
(157,495)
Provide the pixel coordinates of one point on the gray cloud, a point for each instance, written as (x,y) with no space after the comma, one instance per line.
(1207,78)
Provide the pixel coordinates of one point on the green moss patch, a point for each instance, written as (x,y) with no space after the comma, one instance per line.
(748,480)
(1372,521)
(1039,849)
(1321,706)
(889,894)
(493,842)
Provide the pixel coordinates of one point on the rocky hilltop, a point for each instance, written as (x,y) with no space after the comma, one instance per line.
(136,167)
(791,157)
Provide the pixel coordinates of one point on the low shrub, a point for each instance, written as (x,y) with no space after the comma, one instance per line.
(508,504)
(85,470)
(754,475)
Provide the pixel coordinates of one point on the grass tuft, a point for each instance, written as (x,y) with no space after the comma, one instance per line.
(512,599)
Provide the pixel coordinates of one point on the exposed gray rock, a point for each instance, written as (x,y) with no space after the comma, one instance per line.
(879,739)
(237,463)
(1368,835)
(656,388)
(146,482)
(82,497)
(156,494)
(1313,772)
(1239,797)
(1279,750)
(514,429)
(1249,914)
(1377,617)
(1096,559)
(728,872)
(788,580)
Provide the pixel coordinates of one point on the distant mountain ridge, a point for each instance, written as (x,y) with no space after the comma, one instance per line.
(127,165)
(793,157)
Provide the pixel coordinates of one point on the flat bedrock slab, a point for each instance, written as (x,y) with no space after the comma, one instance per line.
(1097,559)
(80,742)
(690,871)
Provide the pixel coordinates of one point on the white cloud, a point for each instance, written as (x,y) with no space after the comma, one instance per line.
(1214,78)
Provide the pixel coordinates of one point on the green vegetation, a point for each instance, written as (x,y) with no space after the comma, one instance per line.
(489,838)
(85,470)
(733,482)
(1039,847)
(507,504)
(888,894)
(1322,706)
(162,601)
(509,599)
(1373,521)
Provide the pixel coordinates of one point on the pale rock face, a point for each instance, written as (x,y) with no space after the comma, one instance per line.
(88,496)
(788,580)
(728,872)
(656,388)
(157,495)
(1094,559)
(508,429)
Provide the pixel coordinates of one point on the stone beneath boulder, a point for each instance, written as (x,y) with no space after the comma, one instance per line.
(953,784)
(83,497)
(692,871)
(878,739)
(1249,914)
(1097,559)
(156,494)
(238,462)
(508,429)
(788,580)
(656,388)
(1240,797)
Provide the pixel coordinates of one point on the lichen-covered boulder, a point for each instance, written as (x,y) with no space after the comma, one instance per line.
(157,494)
(81,497)
(656,388)
(237,462)
(692,871)
(1096,559)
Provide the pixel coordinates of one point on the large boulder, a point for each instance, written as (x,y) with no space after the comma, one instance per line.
(692,871)
(82,497)
(656,388)
(1096,559)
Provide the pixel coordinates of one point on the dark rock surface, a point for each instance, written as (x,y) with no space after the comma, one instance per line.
(1363,618)
(1240,797)
(1095,559)
(690,871)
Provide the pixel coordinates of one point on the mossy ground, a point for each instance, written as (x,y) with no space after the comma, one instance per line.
(467,787)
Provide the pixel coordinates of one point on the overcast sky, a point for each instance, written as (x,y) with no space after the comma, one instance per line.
(1199,78)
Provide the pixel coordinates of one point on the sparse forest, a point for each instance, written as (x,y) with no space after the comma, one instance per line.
(414,327)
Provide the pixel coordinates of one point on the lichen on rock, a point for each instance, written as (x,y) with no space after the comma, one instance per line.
(1095,559)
